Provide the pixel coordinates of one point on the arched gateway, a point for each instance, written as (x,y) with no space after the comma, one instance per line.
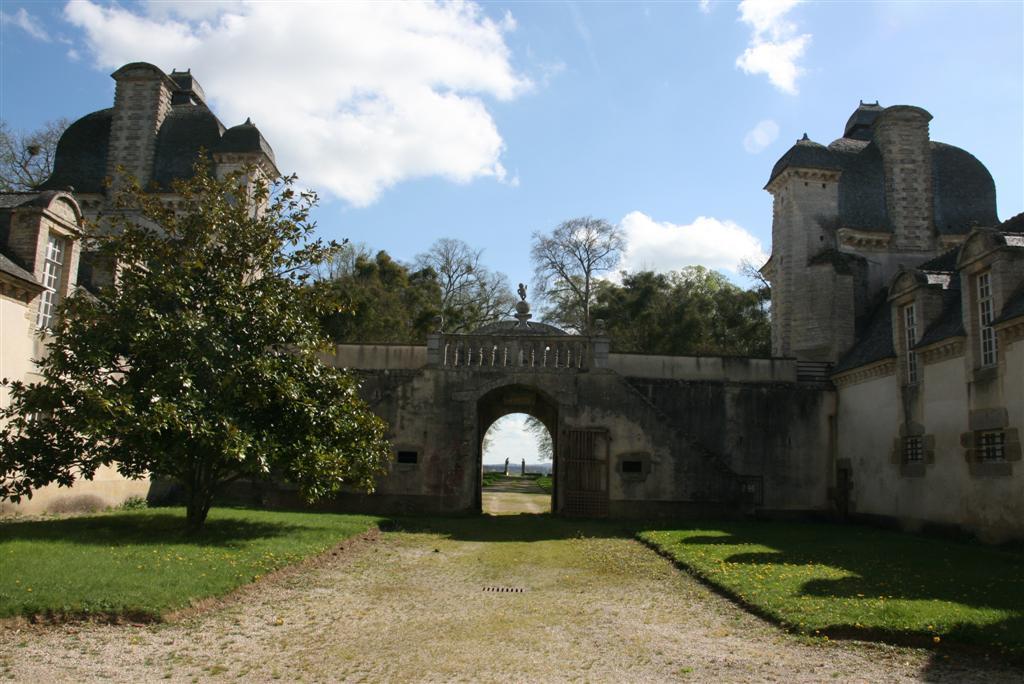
(633,435)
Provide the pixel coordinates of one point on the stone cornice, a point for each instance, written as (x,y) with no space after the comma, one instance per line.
(943,349)
(19,289)
(1010,331)
(855,376)
(864,239)
(831,175)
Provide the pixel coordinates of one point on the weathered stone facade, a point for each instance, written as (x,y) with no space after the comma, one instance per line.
(889,278)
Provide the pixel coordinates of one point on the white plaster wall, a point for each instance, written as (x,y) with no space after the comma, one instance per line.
(939,495)
(867,422)
(16,332)
(107,489)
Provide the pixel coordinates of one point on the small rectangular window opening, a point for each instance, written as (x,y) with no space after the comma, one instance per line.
(408,457)
(913,450)
(632,466)
(992,445)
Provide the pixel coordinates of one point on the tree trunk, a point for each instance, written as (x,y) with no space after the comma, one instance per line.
(196,509)
(199,497)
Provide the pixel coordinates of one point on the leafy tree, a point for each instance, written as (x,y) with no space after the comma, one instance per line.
(691,311)
(541,436)
(26,159)
(381,300)
(566,264)
(200,364)
(471,295)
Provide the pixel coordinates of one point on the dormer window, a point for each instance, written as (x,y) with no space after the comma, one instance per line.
(986,309)
(53,275)
(910,337)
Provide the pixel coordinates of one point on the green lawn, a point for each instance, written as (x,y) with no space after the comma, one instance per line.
(140,564)
(545,482)
(854,581)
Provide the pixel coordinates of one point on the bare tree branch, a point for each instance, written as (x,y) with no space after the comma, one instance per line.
(26,158)
(567,262)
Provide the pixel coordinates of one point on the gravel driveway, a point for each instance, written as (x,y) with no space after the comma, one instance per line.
(445,605)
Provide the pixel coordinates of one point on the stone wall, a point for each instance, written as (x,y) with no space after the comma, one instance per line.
(901,133)
(142,100)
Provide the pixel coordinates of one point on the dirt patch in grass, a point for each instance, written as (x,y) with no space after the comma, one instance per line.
(595,605)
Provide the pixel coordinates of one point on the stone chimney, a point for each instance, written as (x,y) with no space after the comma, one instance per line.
(901,133)
(141,102)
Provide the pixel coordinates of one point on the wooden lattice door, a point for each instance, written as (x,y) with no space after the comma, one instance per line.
(584,466)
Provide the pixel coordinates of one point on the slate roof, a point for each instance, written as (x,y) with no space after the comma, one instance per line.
(1014,224)
(9,200)
(190,126)
(805,154)
(874,339)
(10,268)
(964,192)
(841,261)
(1014,306)
(245,138)
(858,126)
(187,129)
(944,263)
(950,322)
(81,159)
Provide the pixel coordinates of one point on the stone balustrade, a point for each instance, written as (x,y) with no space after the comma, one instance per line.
(565,353)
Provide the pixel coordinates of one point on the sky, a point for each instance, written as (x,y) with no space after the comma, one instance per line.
(491,121)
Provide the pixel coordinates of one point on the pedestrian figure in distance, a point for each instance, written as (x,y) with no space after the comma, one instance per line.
(523,471)
(506,466)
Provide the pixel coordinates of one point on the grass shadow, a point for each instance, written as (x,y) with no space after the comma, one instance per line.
(151,528)
(524,527)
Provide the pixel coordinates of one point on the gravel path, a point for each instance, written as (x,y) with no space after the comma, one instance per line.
(511,497)
(415,606)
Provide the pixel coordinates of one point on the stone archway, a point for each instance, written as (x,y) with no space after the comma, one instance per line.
(516,398)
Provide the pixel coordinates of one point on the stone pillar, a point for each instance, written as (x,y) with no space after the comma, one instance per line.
(434,350)
(901,133)
(142,100)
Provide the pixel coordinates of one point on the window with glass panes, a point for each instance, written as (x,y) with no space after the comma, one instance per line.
(53,271)
(985,316)
(913,449)
(992,445)
(910,335)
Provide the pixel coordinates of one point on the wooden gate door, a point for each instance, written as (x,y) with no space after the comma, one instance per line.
(584,465)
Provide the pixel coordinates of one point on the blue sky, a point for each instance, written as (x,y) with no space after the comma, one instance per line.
(489,121)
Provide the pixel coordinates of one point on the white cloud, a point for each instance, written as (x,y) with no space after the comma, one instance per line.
(26,22)
(355,97)
(662,246)
(510,439)
(705,6)
(775,48)
(761,136)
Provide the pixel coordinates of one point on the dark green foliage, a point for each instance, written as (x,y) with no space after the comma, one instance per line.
(201,365)
(691,311)
(382,300)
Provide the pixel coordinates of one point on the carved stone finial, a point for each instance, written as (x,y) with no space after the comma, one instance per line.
(599,327)
(522,292)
